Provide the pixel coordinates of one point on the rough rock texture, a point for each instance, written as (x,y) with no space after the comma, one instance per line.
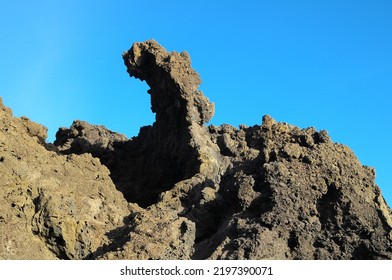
(83,137)
(270,191)
(52,206)
(174,148)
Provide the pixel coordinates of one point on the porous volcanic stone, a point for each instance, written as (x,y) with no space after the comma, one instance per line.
(184,190)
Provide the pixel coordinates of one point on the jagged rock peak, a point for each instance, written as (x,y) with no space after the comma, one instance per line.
(176,147)
(173,82)
(180,190)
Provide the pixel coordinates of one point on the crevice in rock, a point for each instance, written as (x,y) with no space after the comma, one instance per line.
(293,241)
(326,206)
(363,252)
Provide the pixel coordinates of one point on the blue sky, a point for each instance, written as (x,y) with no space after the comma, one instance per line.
(326,64)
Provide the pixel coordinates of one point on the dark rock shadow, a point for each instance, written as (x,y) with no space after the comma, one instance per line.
(118,237)
(142,167)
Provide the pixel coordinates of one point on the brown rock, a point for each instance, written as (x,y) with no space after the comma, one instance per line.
(176,147)
(270,191)
(52,206)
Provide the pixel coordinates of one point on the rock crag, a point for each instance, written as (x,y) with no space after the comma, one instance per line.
(52,206)
(184,190)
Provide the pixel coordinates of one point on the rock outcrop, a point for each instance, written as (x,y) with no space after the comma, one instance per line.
(184,190)
(52,206)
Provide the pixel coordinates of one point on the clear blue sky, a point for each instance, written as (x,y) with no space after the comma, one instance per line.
(324,63)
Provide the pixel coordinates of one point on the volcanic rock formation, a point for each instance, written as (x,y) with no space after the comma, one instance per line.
(52,206)
(182,190)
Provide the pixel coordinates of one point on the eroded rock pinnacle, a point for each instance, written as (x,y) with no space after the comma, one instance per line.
(173,83)
(182,190)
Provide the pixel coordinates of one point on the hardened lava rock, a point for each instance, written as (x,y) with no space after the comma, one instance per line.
(182,189)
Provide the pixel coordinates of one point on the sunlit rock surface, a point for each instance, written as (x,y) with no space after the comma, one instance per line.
(184,190)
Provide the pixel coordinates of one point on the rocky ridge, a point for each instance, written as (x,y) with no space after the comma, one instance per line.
(184,190)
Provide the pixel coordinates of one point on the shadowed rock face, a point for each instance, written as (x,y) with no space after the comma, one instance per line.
(167,152)
(269,191)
